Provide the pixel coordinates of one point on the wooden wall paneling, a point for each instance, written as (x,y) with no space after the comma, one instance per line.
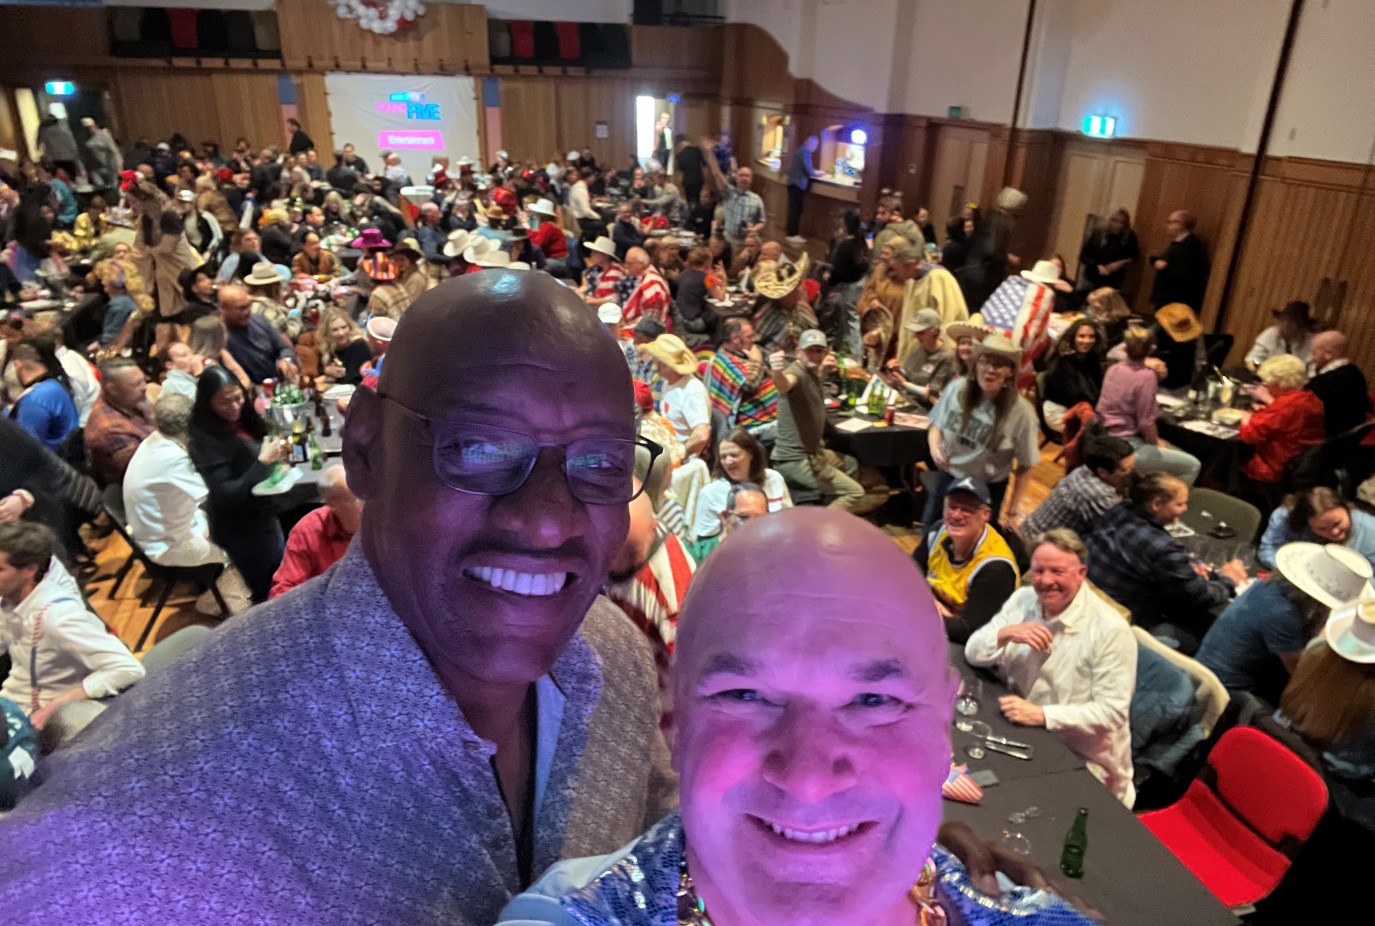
(1036,157)
(55,36)
(692,50)
(247,104)
(449,38)
(1358,312)
(698,116)
(529,126)
(221,105)
(961,160)
(582,103)
(313,110)
(754,66)
(1094,179)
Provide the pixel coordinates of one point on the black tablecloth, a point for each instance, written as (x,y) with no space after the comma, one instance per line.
(879,447)
(1220,460)
(1129,875)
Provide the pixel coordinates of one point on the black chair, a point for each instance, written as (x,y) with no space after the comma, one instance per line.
(201,577)
(1038,398)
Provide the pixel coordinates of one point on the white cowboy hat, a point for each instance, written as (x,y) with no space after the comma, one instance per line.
(544,207)
(517,265)
(458,243)
(610,314)
(186,196)
(573,155)
(1328,573)
(603,245)
(263,274)
(1350,632)
(1045,272)
(477,246)
(488,259)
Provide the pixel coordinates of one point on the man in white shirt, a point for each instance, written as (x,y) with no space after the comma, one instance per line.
(183,366)
(1292,333)
(60,652)
(163,493)
(1071,656)
(684,400)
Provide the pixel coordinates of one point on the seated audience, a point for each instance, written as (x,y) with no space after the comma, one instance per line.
(120,306)
(407,278)
(738,381)
(1292,335)
(603,272)
(343,348)
(968,564)
(800,453)
(1339,383)
(81,376)
(315,261)
(1287,420)
(1107,307)
(230,448)
(163,493)
(1128,409)
(183,366)
(1076,371)
(45,407)
(257,347)
(209,338)
(982,428)
(740,458)
(693,317)
(1070,658)
(198,289)
(1135,562)
(643,291)
(744,502)
(626,233)
(119,422)
(60,652)
(684,401)
(1256,642)
(1097,484)
(1317,515)
(752,659)
(320,538)
(929,364)
(1330,702)
(265,291)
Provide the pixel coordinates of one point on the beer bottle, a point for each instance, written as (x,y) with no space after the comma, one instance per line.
(298,442)
(1076,844)
(316,459)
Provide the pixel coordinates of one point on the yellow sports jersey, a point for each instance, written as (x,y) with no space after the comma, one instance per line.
(950,583)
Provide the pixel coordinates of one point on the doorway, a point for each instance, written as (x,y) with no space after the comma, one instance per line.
(654,136)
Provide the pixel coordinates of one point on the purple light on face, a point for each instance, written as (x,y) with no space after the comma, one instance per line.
(405,138)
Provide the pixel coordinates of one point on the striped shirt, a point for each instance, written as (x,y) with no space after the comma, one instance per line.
(601,281)
(743,208)
(650,298)
(732,396)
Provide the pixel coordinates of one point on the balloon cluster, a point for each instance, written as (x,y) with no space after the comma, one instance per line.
(384,17)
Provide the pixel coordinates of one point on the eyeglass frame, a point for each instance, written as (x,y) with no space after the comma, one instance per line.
(655,451)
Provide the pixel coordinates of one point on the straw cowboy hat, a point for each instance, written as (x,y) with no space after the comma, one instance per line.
(998,345)
(458,243)
(410,248)
(378,268)
(670,350)
(1179,322)
(1045,272)
(1328,573)
(777,281)
(1350,631)
(262,274)
(370,239)
(544,207)
(968,329)
(603,245)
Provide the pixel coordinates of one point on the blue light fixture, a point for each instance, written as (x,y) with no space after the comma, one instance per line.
(859,137)
(1100,126)
(60,88)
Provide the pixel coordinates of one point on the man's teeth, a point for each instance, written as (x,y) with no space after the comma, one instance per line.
(534,585)
(820,837)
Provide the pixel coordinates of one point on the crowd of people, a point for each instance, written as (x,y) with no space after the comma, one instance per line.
(524,583)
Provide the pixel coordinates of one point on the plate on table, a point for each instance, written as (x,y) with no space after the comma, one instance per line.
(1165,400)
(338,392)
(283,485)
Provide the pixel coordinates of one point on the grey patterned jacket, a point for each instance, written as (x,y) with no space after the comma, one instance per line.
(306,766)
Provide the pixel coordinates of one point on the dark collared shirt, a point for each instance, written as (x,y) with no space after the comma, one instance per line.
(257,347)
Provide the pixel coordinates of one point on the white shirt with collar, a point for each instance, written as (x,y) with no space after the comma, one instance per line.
(85,386)
(73,646)
(1084,683)
(1331,365)
(179,382)
(1269,343)
(163,494)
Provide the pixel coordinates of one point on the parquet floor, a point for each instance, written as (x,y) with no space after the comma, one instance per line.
(128,616)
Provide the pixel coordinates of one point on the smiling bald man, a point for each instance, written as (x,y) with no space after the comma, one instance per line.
(813,713)
(445,713)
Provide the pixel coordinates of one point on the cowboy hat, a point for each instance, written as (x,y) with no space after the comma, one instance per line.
(186,196)
(378,268)
(998,345)
(1179,322)
(1350,632)
(603,245)
(1298,310)
(543,207)
(670,350)
(263,274)
(610,314)
(457,243)
(968,329)
(779,280)
(370,239)
(381,328)
(488,260)
(409,247)
(1328,573)
(1045,272)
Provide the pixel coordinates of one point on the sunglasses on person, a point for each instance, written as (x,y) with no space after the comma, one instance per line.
(481,459)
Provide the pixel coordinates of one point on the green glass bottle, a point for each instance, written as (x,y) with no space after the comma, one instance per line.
(1076,844)
(317,460)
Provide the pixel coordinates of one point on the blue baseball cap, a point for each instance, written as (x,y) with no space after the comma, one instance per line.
(976,487)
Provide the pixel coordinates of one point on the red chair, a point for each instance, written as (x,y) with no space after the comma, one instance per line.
(1244,817)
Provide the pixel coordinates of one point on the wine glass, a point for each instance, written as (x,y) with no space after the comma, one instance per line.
(971,693)
(1017,841)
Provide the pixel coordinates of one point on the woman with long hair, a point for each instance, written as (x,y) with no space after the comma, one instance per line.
(983,429)
(1107,307)
(209,338)
(343,349)
(739,458)
(1076,371)
(232,450)
(849,255)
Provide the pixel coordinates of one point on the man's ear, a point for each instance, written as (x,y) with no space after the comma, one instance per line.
(363,423)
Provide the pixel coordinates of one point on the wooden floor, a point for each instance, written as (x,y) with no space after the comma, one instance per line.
(128,615)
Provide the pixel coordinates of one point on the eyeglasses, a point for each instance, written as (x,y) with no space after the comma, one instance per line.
(481,459)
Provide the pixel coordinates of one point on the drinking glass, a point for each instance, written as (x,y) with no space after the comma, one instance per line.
(971,693)
(1016,841)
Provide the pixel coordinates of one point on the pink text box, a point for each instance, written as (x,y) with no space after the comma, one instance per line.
(405,138)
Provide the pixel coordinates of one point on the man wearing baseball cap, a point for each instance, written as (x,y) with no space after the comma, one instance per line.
(929,364)
(968,564)
(800,455)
